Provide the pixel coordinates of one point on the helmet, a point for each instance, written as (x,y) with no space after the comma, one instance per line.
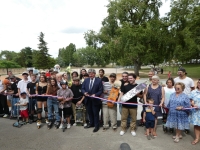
(63,83)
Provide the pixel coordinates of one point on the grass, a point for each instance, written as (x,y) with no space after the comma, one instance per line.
(193,71)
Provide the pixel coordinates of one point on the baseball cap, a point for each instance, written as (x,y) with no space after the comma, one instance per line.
(23,93)
(183,70)
(25,73)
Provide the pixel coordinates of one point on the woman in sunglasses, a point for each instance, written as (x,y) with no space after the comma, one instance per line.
(194,117)
(178,115)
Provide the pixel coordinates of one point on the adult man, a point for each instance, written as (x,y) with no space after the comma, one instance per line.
(31,88)
(11,74)
(15,93)
(78,98)
(102,77)
(22,84)
(129,109)
(30,71)
(110,112)
(92,86)
(189,83)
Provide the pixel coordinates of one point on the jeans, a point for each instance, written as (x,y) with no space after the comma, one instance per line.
(53,103)
(14,107)
(129,117)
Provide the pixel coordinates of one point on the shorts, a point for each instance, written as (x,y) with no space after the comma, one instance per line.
(42,99)
(67,112)
(24,113)
(150,124)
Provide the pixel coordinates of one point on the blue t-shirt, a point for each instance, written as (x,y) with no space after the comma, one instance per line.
(149,115)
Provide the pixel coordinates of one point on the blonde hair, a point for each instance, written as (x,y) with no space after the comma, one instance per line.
(150,100)
(181,84)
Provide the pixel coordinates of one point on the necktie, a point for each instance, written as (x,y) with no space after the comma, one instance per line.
(91,82)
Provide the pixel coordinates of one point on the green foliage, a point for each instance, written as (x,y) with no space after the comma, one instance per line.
(24,57)
(66,55)
(8,64)
(41,58)
(8,55)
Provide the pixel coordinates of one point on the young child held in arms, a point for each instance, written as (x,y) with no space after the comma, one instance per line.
(23,102)
(149,119)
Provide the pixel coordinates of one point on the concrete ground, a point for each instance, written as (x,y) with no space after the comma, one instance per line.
(28,137)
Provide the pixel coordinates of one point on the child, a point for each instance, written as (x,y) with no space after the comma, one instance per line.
(65,96)
(149,118)
(23,103)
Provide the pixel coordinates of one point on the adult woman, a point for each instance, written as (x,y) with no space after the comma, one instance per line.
(194,117)
(154,91)
(52,102)
(41,88)
(177,116)
(64,77)
(168,90)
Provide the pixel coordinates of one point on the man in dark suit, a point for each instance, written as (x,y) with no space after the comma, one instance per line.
(92,86)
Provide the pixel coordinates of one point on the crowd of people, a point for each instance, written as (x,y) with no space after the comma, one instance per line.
(51,93)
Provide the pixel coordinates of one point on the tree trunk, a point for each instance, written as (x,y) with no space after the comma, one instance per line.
(136,68)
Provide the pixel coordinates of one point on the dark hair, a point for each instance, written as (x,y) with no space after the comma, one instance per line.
(86,75)
(81,76)
(74,73)
(125,73)
(45,78)
(133,75)
(197,83)
(170,79)
(113,75)
(102,71)
(50,86)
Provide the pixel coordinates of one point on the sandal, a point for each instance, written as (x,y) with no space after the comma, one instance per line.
(195,142)
(176,140)
(180,137)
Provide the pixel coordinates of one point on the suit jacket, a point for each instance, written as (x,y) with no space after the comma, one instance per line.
(96,89)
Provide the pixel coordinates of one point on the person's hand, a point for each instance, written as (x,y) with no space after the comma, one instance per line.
(161,104)
(86,94)
(179,108)
(93,95)
(79,102)
(106,92)
(62,102)
(29,95)
(144,120)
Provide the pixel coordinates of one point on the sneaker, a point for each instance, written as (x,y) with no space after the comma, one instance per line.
(148,137)
(5,116)
(68,126)
(133,133)
(85,124)
(74,124)
(61,126)
(122,133)
(47,121)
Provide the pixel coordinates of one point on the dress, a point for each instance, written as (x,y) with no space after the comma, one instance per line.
(178,118)
(194,117)
(156,95)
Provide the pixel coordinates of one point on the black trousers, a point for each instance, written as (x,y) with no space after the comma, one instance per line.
(3,104)
(93,112)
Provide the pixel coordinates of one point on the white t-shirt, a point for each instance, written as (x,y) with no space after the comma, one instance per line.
(23,101)
(22,85)
(188,84)
(168,92)
(1,85)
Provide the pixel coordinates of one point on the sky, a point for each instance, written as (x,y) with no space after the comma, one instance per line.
(62,21)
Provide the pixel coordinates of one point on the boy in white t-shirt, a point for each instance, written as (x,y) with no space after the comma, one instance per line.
(189,83)
(23,103)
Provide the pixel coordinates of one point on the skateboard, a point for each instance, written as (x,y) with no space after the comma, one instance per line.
(125,146)
(79,115)
(133,92)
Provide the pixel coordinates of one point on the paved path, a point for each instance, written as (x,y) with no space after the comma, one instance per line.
(28,137)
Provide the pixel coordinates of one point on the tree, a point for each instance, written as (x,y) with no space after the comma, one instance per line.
(24,57)
(8,55)
(41,58)
(131,32)
(8,64)
(66,54)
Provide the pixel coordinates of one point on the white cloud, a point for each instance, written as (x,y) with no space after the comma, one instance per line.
(62,21)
